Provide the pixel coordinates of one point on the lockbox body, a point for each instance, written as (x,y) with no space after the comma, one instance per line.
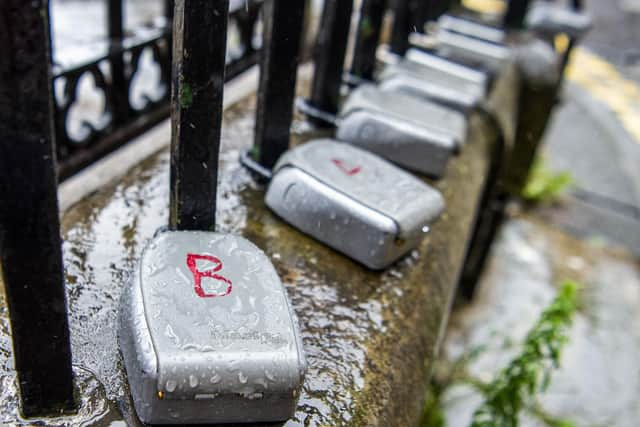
(424,82)
(403,142)
(472,51)
(447,66)
(207,333)
(436,118)
(471,28)
(552,19)
(353,201)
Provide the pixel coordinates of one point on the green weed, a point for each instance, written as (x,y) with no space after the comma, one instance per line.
(530,372)
(543,185)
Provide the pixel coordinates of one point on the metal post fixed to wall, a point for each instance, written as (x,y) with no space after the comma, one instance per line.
(367,37)
(120,93)
(282,33)
(406,19)
(330,49)
(515,14)
(30,243)
(199,33)
(399,43)
(168,11)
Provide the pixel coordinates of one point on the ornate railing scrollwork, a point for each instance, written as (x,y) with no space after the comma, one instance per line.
(101,104)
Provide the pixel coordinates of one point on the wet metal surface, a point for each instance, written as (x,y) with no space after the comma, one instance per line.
(366,334)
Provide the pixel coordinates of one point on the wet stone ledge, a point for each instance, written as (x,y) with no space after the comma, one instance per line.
(370,337)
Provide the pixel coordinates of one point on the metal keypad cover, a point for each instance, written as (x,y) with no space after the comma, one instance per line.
(353,201)
(207,333)
(432,116)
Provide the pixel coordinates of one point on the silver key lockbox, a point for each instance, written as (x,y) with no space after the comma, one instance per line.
(431,83)
(471,50)
(353,201)
(551,19)
(470,28)
(207,333)
(447,66)
(414,133)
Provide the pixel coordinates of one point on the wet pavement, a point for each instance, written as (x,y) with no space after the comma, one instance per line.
(599,379)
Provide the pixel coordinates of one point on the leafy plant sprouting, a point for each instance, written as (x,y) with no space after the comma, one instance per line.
(543,185)
(530,371)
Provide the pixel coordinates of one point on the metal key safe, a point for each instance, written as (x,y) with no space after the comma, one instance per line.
(353,201)
(206,331)
(427,82)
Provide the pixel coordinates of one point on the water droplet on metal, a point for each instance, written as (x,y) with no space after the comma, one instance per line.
(193,381)
(170,386)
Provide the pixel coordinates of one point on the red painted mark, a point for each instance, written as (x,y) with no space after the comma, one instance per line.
(340,164)
(198,275)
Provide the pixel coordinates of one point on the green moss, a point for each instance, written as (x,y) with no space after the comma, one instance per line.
(433,414)
(186,95)
(366,29)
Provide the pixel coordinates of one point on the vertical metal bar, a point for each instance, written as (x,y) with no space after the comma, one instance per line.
(199,44)
(115,19)
(515,14)
(367,36)
(282,32)
(431,10)
(330,49)
(403,24)
(30,244)
(168,11)
(120,89)
(246,19)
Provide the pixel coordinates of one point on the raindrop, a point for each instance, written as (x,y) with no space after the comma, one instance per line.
(170,386)
(193,381)
(242,378)
(270,376)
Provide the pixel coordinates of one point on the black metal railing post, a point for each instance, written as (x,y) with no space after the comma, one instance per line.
(404,22)
(515,14)
(367,37)
(246,19)
(282,32)
(30,243)
(120,87)
(329,56)
(168,11)
(431,10)
(199,46)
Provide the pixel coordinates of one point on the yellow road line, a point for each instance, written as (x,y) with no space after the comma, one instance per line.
(597,76)
(601,79)
(491,7)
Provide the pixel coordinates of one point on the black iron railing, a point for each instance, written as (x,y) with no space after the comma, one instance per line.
(128,112)
(30,250)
